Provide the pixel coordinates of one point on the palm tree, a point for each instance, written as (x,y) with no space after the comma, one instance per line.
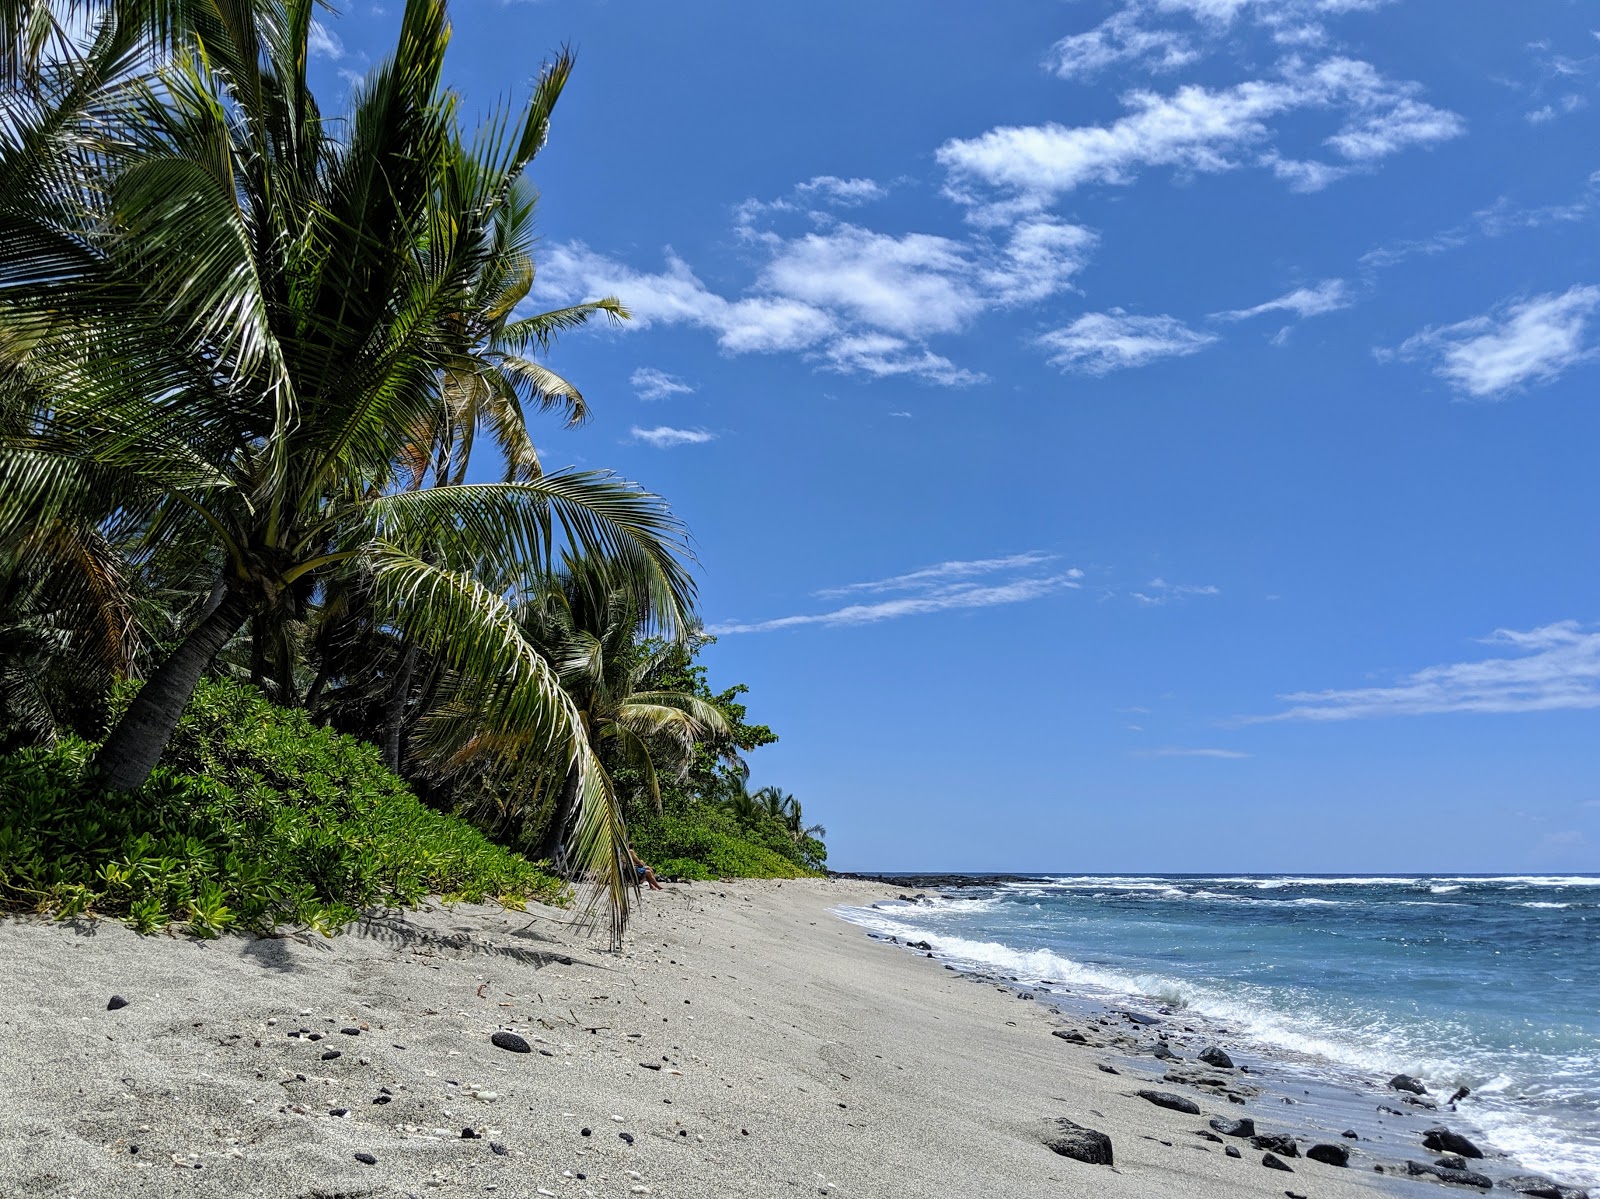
(246,317)
(591,626)
(785,809)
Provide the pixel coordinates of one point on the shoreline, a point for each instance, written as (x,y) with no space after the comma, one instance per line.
(748,1041)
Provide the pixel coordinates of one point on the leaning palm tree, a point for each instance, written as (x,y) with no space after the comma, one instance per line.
(248,314)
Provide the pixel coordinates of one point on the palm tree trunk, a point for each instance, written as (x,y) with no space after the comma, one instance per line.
(135,745)
(394,709)
(554,844)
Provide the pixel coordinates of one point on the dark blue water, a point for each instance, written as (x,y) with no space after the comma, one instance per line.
(1490,983)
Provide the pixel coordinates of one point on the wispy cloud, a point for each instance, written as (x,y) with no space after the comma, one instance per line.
(1159,591)
(944,587)
(1527,341)
(1173,751)
(1327,296)
(652,384)
(848,192)
(665,437)
(943,572)
(1153,36)
(1100,342)
(1554,667)
(1549,112)
(322,41)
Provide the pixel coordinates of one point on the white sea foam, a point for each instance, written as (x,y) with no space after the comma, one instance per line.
(1273,884)
(1545,905)
(1531,880)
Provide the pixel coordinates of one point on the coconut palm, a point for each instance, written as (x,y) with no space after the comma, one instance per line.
(592,627)
(785,809)
(247,313)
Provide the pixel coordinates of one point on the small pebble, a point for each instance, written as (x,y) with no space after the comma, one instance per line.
(510,1042)
(626,1136)
(585,1132)
(351,1032)
(469,1134)
(498,1149)
(339,1111)
(366,1159)
(329,1054)
(115,1002)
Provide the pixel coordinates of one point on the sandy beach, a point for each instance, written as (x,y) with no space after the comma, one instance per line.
(746,1042)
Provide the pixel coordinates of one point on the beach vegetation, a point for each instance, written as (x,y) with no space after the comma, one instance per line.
(256,818)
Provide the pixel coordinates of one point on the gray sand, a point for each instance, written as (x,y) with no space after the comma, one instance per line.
(797,1058)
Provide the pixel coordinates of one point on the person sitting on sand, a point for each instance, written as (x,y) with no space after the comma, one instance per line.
(644,871)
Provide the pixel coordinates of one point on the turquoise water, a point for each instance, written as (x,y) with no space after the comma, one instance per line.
(1487,982)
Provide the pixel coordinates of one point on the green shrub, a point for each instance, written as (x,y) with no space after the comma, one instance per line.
(705,843)
(255,818)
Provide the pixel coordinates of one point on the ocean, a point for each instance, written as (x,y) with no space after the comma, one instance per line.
(1492,983)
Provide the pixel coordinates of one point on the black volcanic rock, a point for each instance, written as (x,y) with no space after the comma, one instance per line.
(1441,1140)
(1331,1155)
(1404,1082)
(510,1042)
(1466,1178)
(1541,1187)
(1245,1127)
(1276,1142)
(1213,1055)
(1175,1103)
(1082,1144)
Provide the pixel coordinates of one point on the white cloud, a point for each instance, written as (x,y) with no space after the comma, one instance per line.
(1176,752)
(1304,175)
(1159,591)
(912,285)
(881,356)
(320,40)
(1549,112)
(1196,129)
(944,587)
(1556,667)
(676,296)
(665,437)
(847,192)
(652,384)
(944,572)
(1327,296)
(1100,342)
(852,299)
(1121,38)
(1393,128)
(1014,592)
(1530,341)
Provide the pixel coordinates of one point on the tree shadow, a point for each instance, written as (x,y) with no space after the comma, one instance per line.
(394,930)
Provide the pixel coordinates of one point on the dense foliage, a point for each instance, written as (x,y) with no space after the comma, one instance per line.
(246,354)
(258,818)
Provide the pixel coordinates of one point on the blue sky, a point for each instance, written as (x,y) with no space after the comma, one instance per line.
(1124,435)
